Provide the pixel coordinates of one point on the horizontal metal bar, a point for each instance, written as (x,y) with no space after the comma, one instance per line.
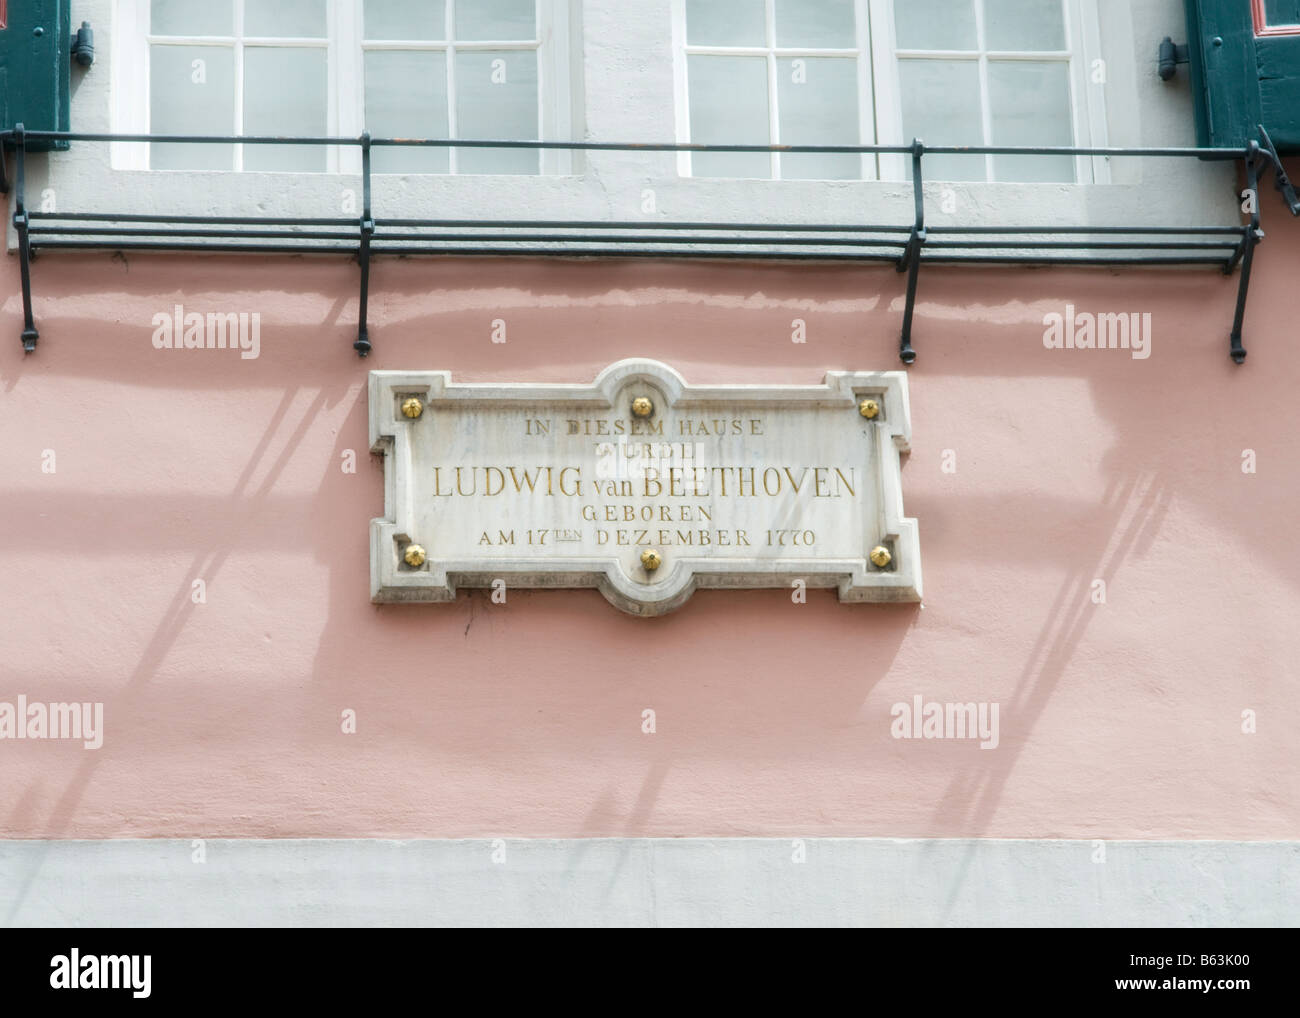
(1051,260)
(219,248)
(109,231)
(612,146)
(524,238)
(129,217)
(1100,245)
(565,252)
(1075,150)
(562,252)
(653,238)
(109,217)
(642,225)
(145,245)
(1233,230)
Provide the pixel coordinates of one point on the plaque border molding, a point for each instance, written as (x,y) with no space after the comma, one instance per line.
(436,579)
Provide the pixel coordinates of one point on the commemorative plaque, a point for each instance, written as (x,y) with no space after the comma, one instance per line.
(642,485)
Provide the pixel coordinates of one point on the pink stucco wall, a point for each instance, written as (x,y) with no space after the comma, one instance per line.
(524,719)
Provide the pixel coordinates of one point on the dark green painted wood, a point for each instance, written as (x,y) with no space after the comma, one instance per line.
(1221,52)
(35,68)
(1240,81)
(1278,63)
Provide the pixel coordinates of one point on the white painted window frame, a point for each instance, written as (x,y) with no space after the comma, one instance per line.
(879,101)
(861,51)
(1082,48)
(345,47)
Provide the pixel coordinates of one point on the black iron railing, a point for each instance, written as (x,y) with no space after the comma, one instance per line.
(906,245)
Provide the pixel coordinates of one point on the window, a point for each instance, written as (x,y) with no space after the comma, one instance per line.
(851,72)
(1276,17)
(776,71)
(485,69)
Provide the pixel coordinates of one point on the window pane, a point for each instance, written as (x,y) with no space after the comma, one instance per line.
(828,24)
(406,97)
(935,24)
(192,17)
(729,107)
(285,19)
(191,91)
(1281,12)
(1030,105)
(818,105)
(941,106)
(496,19)
(1024,25)
(726,23)
(496,98)
(284,93)
(423,20)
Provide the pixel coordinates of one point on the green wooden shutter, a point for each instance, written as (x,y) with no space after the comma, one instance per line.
(1242,78)
(35,64)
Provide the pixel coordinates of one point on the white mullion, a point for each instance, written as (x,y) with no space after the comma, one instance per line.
(937,54)
(541,156)
(681,88)
(814,51)
(413,46)
(190,40)
(331,87)
(519,44)
(239,81)
(886,84)
(129,59)
(867,169)
(761,51)
(565,61)
(316,42)
(1083,13)
(773,113)
(453,125)
(352,81)
(1025,54)
(986,107)
(1076,97)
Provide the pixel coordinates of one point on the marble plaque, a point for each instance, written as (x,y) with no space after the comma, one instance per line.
(642,485)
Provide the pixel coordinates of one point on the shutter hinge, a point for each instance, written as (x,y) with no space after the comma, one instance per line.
(1168,57)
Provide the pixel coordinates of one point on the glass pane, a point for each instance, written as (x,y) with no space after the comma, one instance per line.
(817,100)
(941,106)
(285,19)
(1029,102)
(496,19)
(935,24)
(726,23)
(496,98)
(192,17)
(1024,25)
(406,97)
(827,24)
(1281,12)
(729,107)
(421,20)
(284,93)
(191,91)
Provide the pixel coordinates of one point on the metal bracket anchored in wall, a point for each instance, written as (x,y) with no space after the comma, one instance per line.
(906,246)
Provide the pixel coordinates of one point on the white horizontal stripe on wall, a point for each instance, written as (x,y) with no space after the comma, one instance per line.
(649,882)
